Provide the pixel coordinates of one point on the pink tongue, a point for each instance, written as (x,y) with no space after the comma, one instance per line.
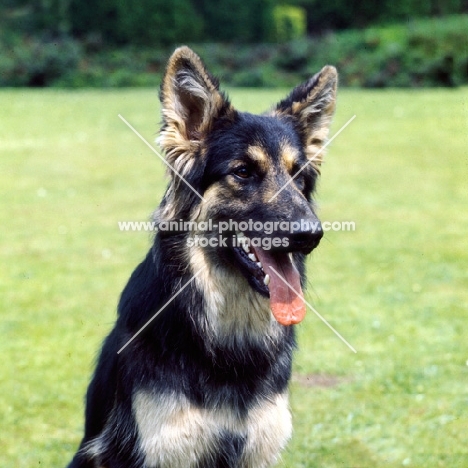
(286,300)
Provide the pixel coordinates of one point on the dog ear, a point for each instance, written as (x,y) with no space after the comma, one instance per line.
(191,101)
(311,105)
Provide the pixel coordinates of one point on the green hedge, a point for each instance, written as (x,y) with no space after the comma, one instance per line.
(345,14)
(420,53)
(38,62)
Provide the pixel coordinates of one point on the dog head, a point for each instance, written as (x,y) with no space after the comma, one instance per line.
(251,176)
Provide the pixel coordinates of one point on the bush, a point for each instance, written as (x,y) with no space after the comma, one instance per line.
(157,22)
(420,53)
(35,62)
(232,21)
(289,23)
(343,14)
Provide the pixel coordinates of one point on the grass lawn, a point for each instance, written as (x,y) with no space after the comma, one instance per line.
(396,288)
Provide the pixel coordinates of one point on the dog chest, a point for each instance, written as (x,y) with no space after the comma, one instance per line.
(173,433)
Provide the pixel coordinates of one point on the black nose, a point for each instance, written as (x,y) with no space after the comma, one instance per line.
(305,239)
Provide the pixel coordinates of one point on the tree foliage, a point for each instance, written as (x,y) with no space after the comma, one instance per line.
(289,22)
(163,22)
(344,14)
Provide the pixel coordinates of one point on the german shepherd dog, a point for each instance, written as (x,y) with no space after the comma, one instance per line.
(204,385)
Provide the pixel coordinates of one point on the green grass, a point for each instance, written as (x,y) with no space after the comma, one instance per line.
(396,288)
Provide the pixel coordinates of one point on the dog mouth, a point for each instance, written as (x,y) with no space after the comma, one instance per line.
(273,275)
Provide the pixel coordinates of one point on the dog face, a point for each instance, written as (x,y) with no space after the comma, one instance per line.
(256,172)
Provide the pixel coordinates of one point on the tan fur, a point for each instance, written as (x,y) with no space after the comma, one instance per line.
(174,433)
(258,154)
(269,428)
(233,309)
(289,156)
(184,91)
(191,102)
(315,113)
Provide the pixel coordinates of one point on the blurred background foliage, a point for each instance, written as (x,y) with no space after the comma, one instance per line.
(75,43)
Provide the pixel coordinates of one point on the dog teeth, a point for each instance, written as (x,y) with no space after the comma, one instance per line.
(266,280)
(253,257)
(260,265)
(243,241)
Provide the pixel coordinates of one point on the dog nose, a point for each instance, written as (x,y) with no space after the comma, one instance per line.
(306,239)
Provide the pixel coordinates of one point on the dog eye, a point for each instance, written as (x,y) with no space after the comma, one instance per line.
(243,172)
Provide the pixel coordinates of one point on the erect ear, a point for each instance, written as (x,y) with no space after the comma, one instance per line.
(311,105)
(191,101)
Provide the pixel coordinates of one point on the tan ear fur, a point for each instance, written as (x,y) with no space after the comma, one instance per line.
(191,101)
(312,105)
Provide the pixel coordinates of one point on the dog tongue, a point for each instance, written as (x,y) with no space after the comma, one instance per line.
(287,306)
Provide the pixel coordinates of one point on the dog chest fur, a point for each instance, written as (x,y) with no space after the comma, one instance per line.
(233,309)
(173,433)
